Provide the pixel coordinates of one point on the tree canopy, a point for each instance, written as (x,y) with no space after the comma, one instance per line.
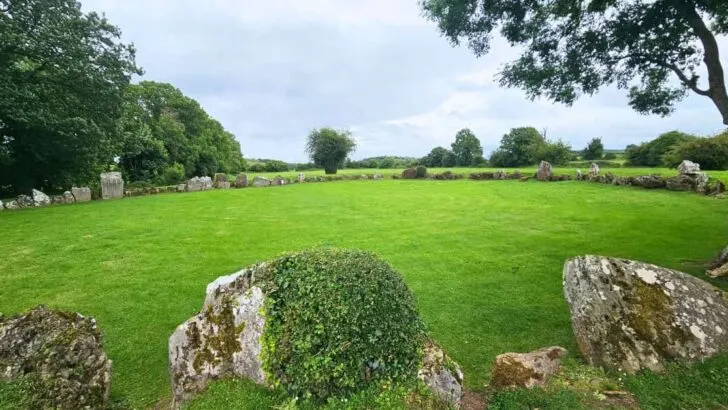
(526,146)
(467,149)
(593,150)
(649,154)
(328,148)
(63,74)
(574,47)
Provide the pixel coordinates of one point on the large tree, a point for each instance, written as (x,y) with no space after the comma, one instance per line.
(62,79)
(593,150)
(518,148)
(328,148)
(574,47)
(466,148)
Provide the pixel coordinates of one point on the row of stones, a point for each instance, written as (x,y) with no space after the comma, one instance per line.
(40,199)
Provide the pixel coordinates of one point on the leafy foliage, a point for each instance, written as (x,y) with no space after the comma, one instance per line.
(173,174)
(329,148)
(650,153)
(526,146)
(466,148)
(338,320)
(421,171)
(593,150)
(62,78)
(710,153)
(573,47)
(275,166)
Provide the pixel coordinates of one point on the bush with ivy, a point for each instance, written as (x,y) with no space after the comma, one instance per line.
(336,322)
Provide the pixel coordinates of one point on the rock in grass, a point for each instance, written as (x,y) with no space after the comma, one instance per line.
(631,315)
(409,173)
(68,197)
(12,205)
(58,200)
(688,168)
(241,181)
(82,194)
(593,170)
(320,323)
(112,185)
(61,356)
(544,171)
(259,181)
(40,199)
(25,201)
(221,181)
(719,266)
(526,369)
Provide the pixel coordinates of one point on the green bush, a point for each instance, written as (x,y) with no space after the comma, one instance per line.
(338,320)
(173,174)
(139,184)
(256,167)
(610,156)
(710,153)
(421,171)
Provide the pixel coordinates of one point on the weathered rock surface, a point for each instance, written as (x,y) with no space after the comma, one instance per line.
(378,176)
(631,315)
(61,353)
(1,206)
(58,200)
(112,186)
(12,205)
(261,181)
(25,201)
(206,183)
(442,375)
(82,194)
(688,168)
(719,267)
(650,181)
(526,369)
(241,181)
(409,173)
(223,340)
(68,197)
(593,170)
(181,187)
(544,171)
(40,199)
(221,181)
(199,184)
(500,174)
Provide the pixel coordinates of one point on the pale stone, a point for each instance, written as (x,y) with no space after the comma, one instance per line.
(82,194)
(593,170)
(544,171)
(301,177)
(68,197)
(40,199)
(441,374)
(12,205)
(526,369)
(181,187)
(259,181)
(25,201)
(688,168)
(112,186)
(241,181)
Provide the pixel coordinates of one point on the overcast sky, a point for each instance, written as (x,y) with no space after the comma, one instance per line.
(272,70)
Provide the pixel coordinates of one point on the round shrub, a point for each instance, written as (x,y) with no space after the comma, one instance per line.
(338,320)
(421,171)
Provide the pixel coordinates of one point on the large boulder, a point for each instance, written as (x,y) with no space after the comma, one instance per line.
(82,194)
(285,307)
(526,369)
(259,181)
(60,354)
(544,171)
(631,315)
(241,181)
(25,201)
(221,181)
(68,197)
(40,199)
(112,186)
(409,173)
(12,205)
(199,184)
(688,168)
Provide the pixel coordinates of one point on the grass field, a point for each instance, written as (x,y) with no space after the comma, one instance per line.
(483,259)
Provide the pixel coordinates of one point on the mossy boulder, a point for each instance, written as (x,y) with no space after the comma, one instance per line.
(58,357)
(629,315)
(409,173)
(526,369)
(317,324)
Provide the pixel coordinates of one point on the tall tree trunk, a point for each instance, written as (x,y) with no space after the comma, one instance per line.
(716,78)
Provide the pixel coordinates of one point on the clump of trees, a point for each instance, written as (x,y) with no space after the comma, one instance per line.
(594,150)
(466,152)
(328,148)
(266,165)
(710,153)
(383,162)
(649,154)
(526,146)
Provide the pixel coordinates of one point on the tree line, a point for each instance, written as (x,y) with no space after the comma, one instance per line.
(68,110)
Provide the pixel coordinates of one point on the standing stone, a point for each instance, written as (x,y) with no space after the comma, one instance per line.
(58,200)
(68,197)
(25,201)
(206,183)
(526,369)
(241,181)
(688,168)
(112,186)
(194,184)
(441,374)
(60,354)
(40,199)
(579,175)
(12,205)
(82,194)
(629,315)
(544,171)
(702,183)
(259,181)
(301,177)
(221,181)
(593,170)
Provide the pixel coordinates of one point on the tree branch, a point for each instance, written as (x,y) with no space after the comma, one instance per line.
(691,82)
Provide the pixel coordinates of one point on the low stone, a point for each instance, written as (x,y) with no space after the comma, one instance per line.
(593,170)
(61,354)
(629,315)
(241,181)
(377,176)
(25,201)
(719,266)
(112,186)
(68,197)
(544,171)
(301,177)
(719,272)
(223,185)
(681,183)
(196,184)
(579,175)
(688,168)
(206,183)
(409,173)
(40,199)
(702,183)
(650,181)
(517,174)
(260,181)
(12,205)
(500,174)
(181,187)
(441,374)
(526,369)
(58,200)
(279,180)
(82,194)
(220,181)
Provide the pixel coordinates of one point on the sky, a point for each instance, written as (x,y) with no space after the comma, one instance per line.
(271,71)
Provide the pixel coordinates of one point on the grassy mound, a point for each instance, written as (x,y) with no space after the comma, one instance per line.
(338,320)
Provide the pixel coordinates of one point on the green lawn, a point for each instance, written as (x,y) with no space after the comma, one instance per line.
(484,258)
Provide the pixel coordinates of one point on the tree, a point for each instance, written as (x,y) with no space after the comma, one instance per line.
(593,150)
(710,153)
(574,47)
(436,157)
(518,148)
(556,153)
(448,159)
(328,148)
(650,154)
(466,148)
(62,78)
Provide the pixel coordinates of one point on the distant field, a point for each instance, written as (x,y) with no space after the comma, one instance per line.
(722,175)
(484,258)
